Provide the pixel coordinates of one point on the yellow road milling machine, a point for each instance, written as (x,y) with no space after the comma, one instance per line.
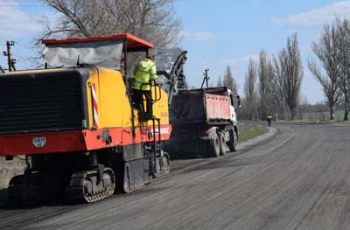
(76,123)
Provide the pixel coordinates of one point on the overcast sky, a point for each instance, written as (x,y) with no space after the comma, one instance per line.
(215,33)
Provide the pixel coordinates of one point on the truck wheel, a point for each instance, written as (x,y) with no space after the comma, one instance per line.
(233,142)
(232,147)
(223,145)
(214,146)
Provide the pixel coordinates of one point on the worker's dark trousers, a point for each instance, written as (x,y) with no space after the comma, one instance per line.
(138,99)
(268,122)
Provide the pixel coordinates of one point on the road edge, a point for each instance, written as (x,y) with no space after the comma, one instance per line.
(272,131)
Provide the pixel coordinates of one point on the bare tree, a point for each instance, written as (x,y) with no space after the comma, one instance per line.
(343,52)
(274,97)
(250,90)
(263,83)
(229,80)
(271,100)
(326,51)
(268,88)
(153,20)
(290,74)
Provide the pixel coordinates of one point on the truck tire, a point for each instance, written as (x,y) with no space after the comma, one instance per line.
(214,146)
(233,141)
(232,147)
(223,145)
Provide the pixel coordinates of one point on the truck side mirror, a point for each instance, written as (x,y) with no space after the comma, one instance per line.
(239,101)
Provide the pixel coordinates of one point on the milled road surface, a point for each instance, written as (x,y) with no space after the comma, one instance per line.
(298,180)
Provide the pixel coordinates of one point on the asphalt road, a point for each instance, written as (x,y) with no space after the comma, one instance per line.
(299,179)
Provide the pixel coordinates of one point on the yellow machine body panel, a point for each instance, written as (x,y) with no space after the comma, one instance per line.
(113,105)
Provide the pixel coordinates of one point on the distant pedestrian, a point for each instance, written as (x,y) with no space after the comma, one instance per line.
(269,120)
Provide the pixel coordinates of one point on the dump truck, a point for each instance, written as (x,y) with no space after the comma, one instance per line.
(77,126)
(203,120)
(204,123)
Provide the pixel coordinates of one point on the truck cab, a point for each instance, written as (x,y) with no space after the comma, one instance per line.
(235,102)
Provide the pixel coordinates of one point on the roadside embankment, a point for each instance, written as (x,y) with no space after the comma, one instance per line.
(248,132)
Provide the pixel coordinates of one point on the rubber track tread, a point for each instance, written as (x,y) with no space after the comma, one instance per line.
(77,183)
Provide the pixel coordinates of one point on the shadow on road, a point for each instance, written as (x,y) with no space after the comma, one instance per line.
(65,203)
(187,156)
(6,205)
(4,202)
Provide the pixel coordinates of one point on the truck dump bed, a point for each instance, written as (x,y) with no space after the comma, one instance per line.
(207,106)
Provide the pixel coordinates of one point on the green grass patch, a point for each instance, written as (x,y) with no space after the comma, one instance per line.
(248,132)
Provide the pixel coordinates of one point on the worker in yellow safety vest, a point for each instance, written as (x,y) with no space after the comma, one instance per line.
(145,71)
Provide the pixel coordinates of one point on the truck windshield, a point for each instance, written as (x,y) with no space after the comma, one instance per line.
(102,53)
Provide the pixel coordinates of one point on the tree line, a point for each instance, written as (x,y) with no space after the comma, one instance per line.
(153,20)
(272,85)
(332,65)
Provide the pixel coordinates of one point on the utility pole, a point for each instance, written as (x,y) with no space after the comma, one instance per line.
(10,61)
(2,69)
(206,78)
